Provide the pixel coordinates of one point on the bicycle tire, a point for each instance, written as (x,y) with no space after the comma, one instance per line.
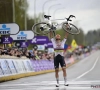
(71,31)
(37,24)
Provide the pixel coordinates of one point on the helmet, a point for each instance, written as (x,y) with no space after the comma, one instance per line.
(58,36)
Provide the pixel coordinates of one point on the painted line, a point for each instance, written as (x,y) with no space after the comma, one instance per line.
(88,70)
(52,88)
(63,88)
(45,83)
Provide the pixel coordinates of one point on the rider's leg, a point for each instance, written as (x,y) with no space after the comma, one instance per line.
(57,75)
(63,65)
(64,74)
(56,65)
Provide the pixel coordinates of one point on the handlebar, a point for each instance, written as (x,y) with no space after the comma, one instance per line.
(68,19)
(71,16)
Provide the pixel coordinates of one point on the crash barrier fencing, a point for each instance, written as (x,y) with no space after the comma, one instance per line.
(9,67)
(16,66)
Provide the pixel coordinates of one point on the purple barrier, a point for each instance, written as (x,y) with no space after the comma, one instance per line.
(40,65)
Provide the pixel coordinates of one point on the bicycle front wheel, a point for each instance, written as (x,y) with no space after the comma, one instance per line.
(70,28)
(41,28)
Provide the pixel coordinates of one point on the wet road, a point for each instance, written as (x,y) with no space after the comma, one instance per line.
(81,76)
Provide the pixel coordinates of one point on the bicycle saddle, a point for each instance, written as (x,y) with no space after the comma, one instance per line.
(47,16)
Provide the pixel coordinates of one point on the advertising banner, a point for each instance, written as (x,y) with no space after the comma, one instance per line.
(20,66)
(7,40)
(27,65)
(24,44)
(1,71)
(40,47)
(39,40)
(11,65)
(50,50)
(50,45)
(9,29)
(4,67)
(23,35)
(16,66)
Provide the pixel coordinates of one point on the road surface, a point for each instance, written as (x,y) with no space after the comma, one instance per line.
(80,76)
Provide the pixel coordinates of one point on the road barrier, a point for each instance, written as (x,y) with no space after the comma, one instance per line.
(11,69)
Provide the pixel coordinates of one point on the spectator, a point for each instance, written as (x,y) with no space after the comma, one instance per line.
(33,54)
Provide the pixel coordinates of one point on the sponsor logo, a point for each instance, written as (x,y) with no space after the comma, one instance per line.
(21,36)
(4,29)
(34,40)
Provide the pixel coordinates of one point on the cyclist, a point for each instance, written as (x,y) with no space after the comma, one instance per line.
(58,46)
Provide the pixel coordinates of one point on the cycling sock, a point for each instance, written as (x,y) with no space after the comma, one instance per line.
(57,79)
(65,79)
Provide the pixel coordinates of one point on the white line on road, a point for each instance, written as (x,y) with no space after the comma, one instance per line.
(45,83)
(64,88)
(52,88)
(87,71)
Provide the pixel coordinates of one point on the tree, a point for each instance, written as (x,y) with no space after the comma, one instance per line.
(5,11)
(21,7)
(6,14)
(93,36)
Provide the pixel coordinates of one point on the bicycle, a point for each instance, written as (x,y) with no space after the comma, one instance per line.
(45,27)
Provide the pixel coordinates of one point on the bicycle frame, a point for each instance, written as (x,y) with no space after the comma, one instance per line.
(52,26)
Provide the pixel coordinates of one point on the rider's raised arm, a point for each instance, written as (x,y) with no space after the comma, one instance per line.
(65,38)
(52,38)
(66,35)
(51,34)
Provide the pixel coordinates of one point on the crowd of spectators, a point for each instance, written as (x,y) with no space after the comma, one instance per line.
(23,52)
(39,55)
(79,51)
(11,52)
(35,54)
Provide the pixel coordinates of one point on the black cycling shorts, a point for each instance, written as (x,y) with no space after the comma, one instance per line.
(59,59)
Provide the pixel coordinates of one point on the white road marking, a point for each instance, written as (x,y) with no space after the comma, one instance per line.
(45,83)
(53,88)
(87,71)
(50,85)
(63,88)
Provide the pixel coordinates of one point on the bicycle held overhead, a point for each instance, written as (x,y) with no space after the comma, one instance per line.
(44,27)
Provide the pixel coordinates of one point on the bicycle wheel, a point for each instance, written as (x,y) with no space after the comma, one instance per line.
(41,28)
(72,29)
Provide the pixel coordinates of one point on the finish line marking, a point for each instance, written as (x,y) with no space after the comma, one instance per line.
(46,83)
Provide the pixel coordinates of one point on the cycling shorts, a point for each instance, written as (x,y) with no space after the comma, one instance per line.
(59,59)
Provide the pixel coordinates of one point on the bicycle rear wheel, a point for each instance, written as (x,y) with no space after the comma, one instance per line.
(70,28)
(41,28)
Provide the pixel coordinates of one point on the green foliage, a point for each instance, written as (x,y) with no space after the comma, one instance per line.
(21,6)
(30,23)
(6,11)
(93,37)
